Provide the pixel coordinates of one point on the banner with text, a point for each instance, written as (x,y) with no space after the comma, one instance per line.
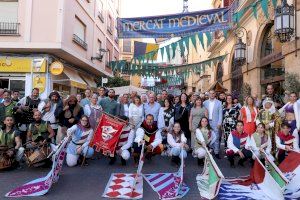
(175,25)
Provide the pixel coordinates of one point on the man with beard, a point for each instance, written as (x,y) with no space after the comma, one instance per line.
(25,110)
(6,107)
(222,98)
(109,104)
(69,116)
(270,93)
(149,134)
(50,109)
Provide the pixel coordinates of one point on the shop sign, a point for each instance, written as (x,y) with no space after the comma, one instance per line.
(39,81)
(13,64)
(56,68)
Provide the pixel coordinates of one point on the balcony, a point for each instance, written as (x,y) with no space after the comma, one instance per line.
(7,28)
(100,16)
(79,41)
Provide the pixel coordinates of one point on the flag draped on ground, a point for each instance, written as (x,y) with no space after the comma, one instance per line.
(126,186)
(168,185)
(107,135)
(210,180)
(41,186)
(291,168)
(259,185)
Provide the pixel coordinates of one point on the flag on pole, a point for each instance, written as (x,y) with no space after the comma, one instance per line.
(126,186)
(210,180)
(291,169)
(41,186)
(168,185)
(107,135)
(259,185)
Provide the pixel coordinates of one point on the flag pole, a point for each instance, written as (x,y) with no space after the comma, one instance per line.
(138,170)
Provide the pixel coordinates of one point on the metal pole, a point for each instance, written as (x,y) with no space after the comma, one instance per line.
(296,36)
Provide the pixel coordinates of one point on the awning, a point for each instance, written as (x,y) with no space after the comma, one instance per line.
(128,89)
(90,81)
(71,76)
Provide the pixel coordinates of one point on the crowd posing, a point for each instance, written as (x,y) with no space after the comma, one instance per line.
(167,125)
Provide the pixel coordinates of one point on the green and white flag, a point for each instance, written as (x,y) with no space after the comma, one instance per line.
(275,172)
(210,180)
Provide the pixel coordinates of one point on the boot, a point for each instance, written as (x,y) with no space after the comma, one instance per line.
(200,162)
(241,162)
(123,161)
(231,161)
(112,160)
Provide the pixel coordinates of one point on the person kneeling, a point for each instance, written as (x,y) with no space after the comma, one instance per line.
(204,138)
(260,142)
(177,141)
(285,142)
(10,144)
(81,134)
(151,135)
(124,144)
(236,145)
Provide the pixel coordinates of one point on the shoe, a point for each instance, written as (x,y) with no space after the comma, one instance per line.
(112,160)
(200,162)
(217,156)
(123,162)
(232,163)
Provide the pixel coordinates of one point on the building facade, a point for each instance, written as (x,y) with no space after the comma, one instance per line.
(267,60)
(56,44)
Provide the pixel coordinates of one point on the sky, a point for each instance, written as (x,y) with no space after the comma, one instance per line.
(142,8)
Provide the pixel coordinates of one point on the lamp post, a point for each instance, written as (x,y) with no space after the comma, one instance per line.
(240,48)
(100,55)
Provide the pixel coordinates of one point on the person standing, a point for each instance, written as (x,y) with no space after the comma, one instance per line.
(87,99)
(270,93)
(291,112)
(248,115)
(93,111)
(15,96)
(109,104)
(198,111)
(6,107)
(230,118)
(222,98)
(152,107)
(101,92)
(124,106)
(164,96)
(181,115)
(136,112)
(215,115)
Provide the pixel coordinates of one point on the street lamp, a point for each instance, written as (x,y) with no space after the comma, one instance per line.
(100,55)
(284,21)
(240,48)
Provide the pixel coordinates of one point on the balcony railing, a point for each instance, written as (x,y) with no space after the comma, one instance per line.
(79,41)
(109,29)
(7,28)
(100,16)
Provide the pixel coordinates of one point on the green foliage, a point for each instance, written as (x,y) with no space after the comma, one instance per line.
(116,81)
(291,82)
(246,90)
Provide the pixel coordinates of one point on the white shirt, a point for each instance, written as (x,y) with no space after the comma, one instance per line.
(211,108)
(136,114)
(140,136)
(173,143)
(129,141)
(126,110)
(251,144)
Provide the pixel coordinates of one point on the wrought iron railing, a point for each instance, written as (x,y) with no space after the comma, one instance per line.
(8,28)
(79,41)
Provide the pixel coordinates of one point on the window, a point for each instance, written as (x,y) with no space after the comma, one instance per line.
(109,24)
(116,36)
(100,10)
(79,33)
(99,45)
(108,56)
(9,17)
(127,46)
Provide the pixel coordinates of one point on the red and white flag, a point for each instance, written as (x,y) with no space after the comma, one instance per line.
(126,186)
(168,185)
(107,135)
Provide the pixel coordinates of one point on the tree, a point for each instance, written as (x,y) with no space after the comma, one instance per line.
(116,81)
(291,82)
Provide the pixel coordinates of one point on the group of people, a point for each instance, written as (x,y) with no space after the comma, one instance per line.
(163,123)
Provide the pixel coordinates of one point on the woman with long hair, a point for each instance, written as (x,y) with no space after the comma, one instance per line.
(136,112)
(230,117)
(205,136)
(248,114)
(93,111)
(181,114)
(177,142)
(81,134)
(198,111)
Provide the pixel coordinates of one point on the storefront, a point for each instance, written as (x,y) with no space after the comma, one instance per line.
(25,73)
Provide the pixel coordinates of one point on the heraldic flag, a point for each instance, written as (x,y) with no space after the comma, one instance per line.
(210,180)
(126,186)
(107,135)
(291,169)
(41,186)
(259,185)
(168,185)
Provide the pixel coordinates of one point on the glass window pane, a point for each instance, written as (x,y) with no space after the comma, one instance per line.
(18,85)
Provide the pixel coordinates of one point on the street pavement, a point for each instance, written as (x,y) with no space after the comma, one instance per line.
(88,182)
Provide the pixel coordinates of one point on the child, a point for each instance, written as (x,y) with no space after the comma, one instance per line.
(204,138)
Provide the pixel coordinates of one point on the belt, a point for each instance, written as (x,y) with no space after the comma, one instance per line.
(77,143)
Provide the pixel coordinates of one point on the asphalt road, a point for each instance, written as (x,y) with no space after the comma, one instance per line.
(88,183)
